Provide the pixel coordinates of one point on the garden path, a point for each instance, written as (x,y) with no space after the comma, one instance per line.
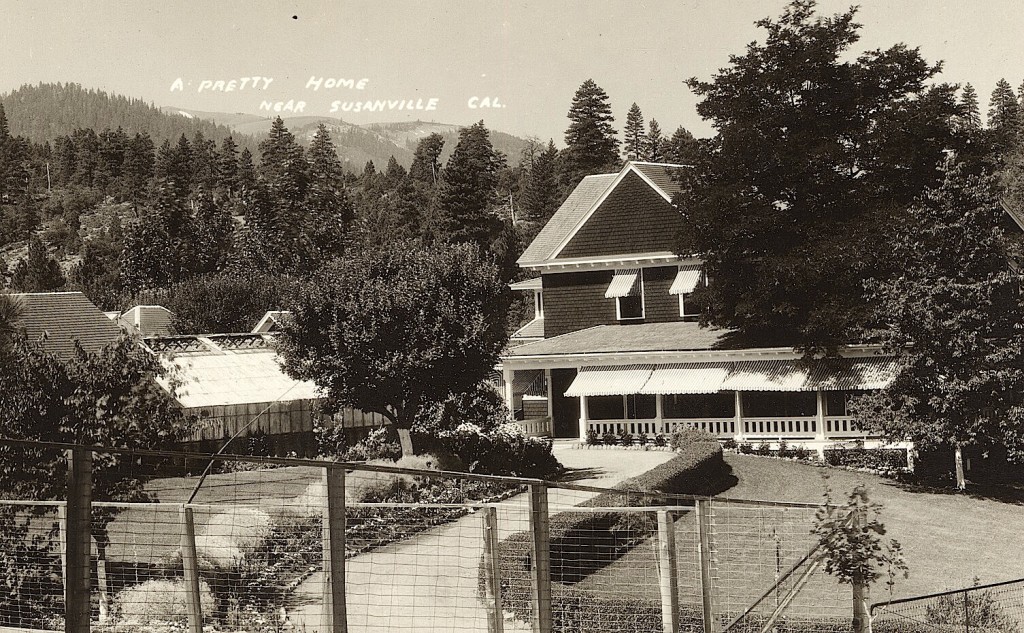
(428,583)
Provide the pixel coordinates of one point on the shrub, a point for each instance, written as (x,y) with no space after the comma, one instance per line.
(885,459)
(505,450)
(222,541)
(625,437)
(783,449)
(609,438)
(729,444)
(158,602)
(764,449)
(800,452)
(660,440)
(746,448)
(643,439)
(687,436)
(381,443)
(592,438)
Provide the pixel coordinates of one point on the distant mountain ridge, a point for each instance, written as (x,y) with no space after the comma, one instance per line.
(44,112)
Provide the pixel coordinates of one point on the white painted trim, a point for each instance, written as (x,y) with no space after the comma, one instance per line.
(643,260)
(627,168)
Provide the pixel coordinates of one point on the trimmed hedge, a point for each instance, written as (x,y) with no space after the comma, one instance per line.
(888,459)
(582,543)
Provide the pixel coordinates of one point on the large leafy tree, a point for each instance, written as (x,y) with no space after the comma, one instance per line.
(590,143)
(953,317)
(398,329)
(815,151)
(469,189)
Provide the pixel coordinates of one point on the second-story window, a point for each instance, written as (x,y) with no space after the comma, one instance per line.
(687,279)
(627,288)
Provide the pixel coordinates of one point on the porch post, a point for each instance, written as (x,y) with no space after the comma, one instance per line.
(507,376)
(820,434)
(584,415)
(551,400)
(739,417)
(659,413)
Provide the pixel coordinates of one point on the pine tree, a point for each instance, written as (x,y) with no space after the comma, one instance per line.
(139,158)
(656,143)
(283,168)
(211,240)
(468,189)
(591,146)
(541,196)
(971,117)
(246,171)
(330,210)
(682,148)
(38,272)
(1003,115)
(635,145)
(204,163)
(227,166)
(426,162)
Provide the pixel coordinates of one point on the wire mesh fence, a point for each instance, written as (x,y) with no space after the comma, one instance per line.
(270,544)
(997,607)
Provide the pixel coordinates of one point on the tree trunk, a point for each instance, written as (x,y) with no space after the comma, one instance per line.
(405,437)
(861,615)
(958,457)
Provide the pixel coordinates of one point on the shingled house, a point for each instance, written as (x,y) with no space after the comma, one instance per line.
(615,343)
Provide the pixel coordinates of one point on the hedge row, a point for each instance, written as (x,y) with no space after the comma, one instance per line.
(582,543)
(874,458)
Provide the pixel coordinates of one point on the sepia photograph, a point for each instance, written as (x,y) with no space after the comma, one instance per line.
(495,316)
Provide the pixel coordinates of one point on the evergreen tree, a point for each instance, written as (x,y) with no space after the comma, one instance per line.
(146,254)
(542,195)
(682,148)
(211,235)
(283,169)
(393,174)
(204,163)
(468,189)
(139,159)
(971,115)
(1003,115)
(656,143)
(246,171)
(227,166)
(635,145)
(591,146)
(328,204)
(426,162)
(38,272)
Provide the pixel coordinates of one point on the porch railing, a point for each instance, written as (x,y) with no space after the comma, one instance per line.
(759,428)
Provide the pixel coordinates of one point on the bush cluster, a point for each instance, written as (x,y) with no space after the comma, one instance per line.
(799,451)
(884,459)
(581,543)
(687,437)
(504,450)
(623,438)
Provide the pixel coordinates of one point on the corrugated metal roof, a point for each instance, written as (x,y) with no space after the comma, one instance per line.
(687,378)
(65,317)
(686,280)
(609,381)
(529,284)
(624,283)
(533,329)
(642,337)
(221,378)
(566,218)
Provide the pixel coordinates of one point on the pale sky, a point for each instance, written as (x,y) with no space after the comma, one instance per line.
(530,56)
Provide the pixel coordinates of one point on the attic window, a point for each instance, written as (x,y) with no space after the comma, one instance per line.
(627,290)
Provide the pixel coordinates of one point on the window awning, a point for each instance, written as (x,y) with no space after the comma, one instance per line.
(623,283)
(686,280)
(856,374)
(687,378)
(767,375)
(609,381)
(529,284)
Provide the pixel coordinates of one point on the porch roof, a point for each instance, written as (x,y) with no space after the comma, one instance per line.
(609,381)
(646,337)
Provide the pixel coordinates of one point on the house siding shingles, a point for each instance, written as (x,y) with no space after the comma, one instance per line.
(634,218)
(575,301)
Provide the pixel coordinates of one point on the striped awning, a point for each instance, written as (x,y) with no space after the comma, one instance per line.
(686,280)
(767,375)
(871,373)
(609,381)
(623,283)
(687,378)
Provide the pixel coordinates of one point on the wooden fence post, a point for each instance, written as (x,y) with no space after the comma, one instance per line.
(711,624)
(861,615)
(79,541)
(190,565)
(668,571)
(492,572)
(335,619)
(541,559)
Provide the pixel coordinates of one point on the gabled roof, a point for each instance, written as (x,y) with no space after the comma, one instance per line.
(566,218)
(65,317)
(533,329)
(270,322)
(586,198)
(147,320)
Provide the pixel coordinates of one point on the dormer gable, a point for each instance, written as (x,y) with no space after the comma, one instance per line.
(609,215)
